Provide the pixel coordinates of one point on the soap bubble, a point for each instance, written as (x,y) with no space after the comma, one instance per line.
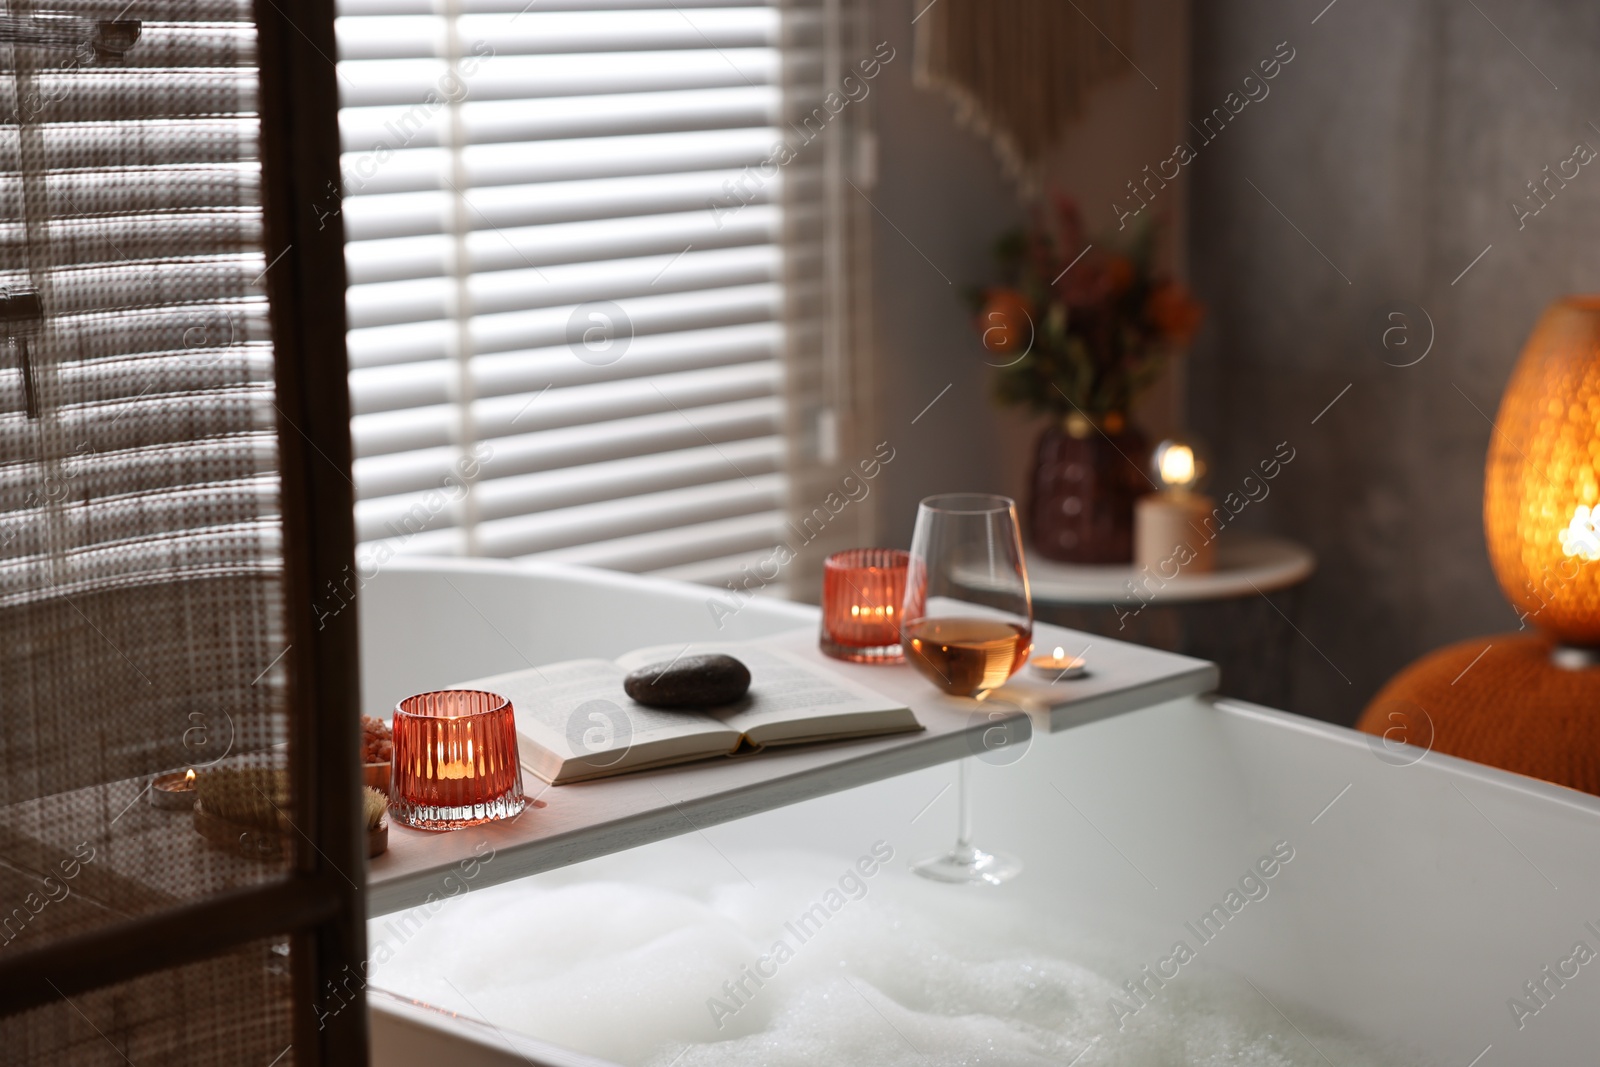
(655,958)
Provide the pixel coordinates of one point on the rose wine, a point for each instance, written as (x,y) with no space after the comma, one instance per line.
(964,655)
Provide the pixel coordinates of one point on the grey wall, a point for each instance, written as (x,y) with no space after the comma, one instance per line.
(939,203)
(1394,141)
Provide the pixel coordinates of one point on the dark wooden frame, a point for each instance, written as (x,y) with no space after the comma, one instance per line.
(300,151)
(321,905)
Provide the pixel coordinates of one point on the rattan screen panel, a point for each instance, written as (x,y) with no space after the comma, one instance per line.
(142,619)
(188,1016)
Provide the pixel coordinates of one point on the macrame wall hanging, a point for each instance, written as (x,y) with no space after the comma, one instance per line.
(1020,71)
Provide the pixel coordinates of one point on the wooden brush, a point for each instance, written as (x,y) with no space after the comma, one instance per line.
(374,806)
(257,797)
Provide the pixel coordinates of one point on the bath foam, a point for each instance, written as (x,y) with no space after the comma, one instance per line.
(627,966)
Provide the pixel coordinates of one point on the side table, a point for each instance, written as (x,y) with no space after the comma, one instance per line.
(1239,616)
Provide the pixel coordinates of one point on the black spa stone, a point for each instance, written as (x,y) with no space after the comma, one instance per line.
(689,682)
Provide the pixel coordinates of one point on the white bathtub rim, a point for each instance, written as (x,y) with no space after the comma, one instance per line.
(489,1045)
(803,614)
(1435,762)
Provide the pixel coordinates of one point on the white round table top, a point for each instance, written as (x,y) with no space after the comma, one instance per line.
(1246,564)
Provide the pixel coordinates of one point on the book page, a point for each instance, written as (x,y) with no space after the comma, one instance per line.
(789,699)
(578,710)
(575,721)
(664,655)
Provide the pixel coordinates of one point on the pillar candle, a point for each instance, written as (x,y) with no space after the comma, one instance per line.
(1169,533)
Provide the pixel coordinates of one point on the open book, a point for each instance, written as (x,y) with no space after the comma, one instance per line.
(574,722)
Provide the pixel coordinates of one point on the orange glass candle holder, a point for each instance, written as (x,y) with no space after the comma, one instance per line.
(455,760)
(862,590)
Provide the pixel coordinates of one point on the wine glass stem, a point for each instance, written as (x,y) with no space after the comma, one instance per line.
(963,809)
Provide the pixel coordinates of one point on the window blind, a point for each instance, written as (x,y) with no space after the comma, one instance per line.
(577,312)
(139,468)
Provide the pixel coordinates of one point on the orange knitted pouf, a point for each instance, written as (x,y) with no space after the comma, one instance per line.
(1512,709)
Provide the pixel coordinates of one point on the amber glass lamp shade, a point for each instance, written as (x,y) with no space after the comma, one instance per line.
(1541,496)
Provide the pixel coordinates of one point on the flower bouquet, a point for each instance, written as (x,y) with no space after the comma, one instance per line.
(1077,330)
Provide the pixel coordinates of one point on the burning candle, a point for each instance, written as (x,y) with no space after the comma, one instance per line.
(173,792)
(862,589)
(1169,527)
(1058,667)
(455,760)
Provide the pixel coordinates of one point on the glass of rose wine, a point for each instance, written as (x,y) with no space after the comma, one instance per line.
(967,626)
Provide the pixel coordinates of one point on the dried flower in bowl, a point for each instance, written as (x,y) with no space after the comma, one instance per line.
(377,742)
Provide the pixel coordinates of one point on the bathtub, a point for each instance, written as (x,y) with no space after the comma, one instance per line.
(1426,898)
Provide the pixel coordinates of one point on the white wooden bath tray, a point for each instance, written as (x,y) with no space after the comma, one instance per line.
(571,823)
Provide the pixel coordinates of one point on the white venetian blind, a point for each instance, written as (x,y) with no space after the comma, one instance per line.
(559,347)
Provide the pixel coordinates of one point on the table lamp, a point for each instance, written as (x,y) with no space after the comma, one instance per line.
(1541,493)
(1528,701)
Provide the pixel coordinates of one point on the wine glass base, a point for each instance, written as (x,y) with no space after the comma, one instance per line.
(969,866)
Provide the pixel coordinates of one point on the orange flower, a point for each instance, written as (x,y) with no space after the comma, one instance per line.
(1174,311)
(1119,274)
(1006,321)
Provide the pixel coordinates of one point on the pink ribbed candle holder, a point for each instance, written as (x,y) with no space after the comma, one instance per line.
(455,760)
(862,591)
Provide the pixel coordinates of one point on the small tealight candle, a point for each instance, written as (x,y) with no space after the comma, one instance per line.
(455,760)
(173,792)
(862,590)
(1059,666)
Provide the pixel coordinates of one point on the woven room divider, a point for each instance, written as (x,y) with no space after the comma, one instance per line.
(174,489)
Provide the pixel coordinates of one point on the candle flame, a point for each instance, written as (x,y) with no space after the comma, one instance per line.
(1061,653)
(188,776)
(1177,466)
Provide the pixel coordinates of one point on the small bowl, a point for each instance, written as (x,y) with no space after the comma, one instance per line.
(376,775)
